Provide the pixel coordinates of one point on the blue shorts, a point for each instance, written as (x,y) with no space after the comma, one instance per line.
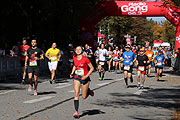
(82,81)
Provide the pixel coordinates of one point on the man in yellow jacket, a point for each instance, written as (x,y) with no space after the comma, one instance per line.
(53,54)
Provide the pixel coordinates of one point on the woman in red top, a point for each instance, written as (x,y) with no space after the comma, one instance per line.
(81,78)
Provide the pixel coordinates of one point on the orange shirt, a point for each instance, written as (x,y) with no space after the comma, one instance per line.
(149,54)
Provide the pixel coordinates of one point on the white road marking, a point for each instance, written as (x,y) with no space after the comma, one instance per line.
(3,93)
(39,99)
(63,85)
(103,84)
(139,92)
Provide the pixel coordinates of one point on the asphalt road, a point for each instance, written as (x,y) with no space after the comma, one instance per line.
(112,101)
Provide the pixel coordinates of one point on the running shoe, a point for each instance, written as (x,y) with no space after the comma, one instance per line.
(23,82)
(142,87)
(91,93)
(76,115)
(100,78)
(50,81)
(35,92)
(148,75)
(160,75)
(30,88)
(138,85)
(157,79)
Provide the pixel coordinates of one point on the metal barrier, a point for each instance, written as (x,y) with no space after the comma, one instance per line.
(10,66)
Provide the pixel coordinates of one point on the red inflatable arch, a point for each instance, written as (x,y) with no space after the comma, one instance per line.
(130,9)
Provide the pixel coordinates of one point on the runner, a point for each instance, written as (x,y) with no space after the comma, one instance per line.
(141,61)
(109,59)
(54,55)
(150,55)
(120,60)
(34,55)
(23,52)
(96,54)
(81,78)
(159,62)
(128,59)
(115,59)
(102,59)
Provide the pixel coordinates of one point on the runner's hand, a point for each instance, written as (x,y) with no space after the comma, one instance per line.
(36,58)
(71,75)
(25,65)
(131,63)
(83,77)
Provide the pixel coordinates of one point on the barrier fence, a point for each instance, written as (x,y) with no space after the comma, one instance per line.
(10,66)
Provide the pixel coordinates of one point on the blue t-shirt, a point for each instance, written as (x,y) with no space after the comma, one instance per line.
(128,57)
(160,60)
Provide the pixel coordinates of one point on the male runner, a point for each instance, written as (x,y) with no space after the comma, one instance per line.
(23,52)
(159,61)
(53,54)
(128,59)
(102,59)
(141,61)
(150,55)
(34,55)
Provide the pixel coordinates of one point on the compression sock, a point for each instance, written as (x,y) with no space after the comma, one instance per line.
(99,74)
(76,105)
(126,81)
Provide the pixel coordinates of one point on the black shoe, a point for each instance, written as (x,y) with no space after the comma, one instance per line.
(23,82)
(157,79)
(50,81)
(160,75)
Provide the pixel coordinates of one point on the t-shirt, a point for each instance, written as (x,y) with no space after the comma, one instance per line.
(116,54)
(23,51)
(141,60)
(53,54)
(128,57)
(149,54)
(81,66)
(160,60)
(101,56)
(31,53)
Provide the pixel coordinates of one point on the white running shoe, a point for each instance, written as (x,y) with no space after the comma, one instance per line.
(35,92)
(30,88)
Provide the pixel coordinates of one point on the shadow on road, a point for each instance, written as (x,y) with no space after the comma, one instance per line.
(47,93)
(91,112)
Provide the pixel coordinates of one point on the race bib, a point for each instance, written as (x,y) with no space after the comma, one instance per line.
(80,72)
(97,59)
(32,63)
(141,68)
(53,57)
(71,60)
(101,63)
(126,67)
(149,55)
(159,63)
(115,58)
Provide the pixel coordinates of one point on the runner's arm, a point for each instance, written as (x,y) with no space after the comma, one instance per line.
(26,59)
(91,69)
(73,69)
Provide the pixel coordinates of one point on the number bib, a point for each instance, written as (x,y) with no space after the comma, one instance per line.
(32,63)
(126,67)
(141,68)
(101,63)
(53,57)
(23,53)
(97,59)
(71,60)
(159,63)
(80,72)
(149,55)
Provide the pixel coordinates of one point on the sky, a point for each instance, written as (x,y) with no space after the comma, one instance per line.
(158,19)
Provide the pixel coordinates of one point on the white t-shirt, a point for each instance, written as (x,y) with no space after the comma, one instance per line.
(101,56)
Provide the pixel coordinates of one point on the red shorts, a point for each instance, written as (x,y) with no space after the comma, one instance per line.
(142,72)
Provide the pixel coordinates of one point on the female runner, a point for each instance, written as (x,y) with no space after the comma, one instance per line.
(81,78)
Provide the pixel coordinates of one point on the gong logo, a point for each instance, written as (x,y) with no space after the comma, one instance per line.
(178,38)
(135,8)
